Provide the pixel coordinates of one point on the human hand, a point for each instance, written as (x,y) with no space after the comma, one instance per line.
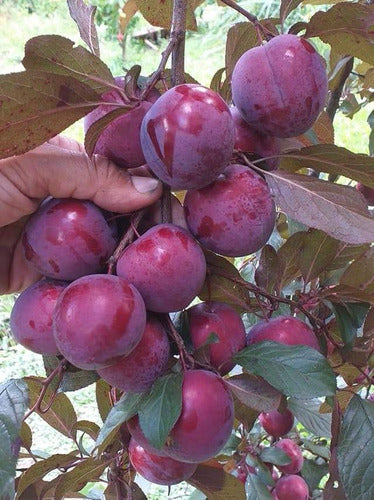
(61,169)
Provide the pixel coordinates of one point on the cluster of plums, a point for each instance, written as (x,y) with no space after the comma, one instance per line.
(115,323)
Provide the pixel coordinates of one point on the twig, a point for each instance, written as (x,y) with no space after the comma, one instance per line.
(127,238)
(187,361)
(260,29)
(178,33)
(59,370)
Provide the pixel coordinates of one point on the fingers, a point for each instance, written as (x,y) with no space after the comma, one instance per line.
(63,173)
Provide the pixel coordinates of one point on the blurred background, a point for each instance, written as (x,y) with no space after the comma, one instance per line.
(205,54)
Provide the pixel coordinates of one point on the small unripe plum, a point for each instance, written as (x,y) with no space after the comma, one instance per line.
(250,140)
(31,317)
(120,139)
(67,238)
(225,322)
(285,330)
(275,423)
(137,371)
(233,216)
(367,192)
(206,421)
(291,487)
(166,265)
(97,320)
(280,87)
(188,136)
(294,452)
(158,469)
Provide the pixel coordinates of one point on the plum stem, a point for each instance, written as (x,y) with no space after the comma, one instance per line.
(260,29)
(58,371)
(126,239)
(175,48)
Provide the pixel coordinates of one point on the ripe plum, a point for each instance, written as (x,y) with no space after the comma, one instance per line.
(97,320)
(291,487)
(277,424)
(250,140)
(158,469)
(233,216)
(280,87)
(138,371)
(68,238)
(285,330)
(31,317)
(225,322)
(188,136)
(120,139)
(294,452)
(166,265)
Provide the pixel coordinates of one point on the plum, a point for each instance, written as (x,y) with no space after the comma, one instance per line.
(233,216)
(280,87)
(285,330)
(277,423)
(250,140)
(291,487)
(67,238)
(188,136)
(120,139)
(166,265)
(294,452)
(158,469)
(137,371)
(32,313)
(97,320)
(225,322)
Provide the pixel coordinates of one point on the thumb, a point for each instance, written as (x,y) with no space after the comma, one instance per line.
(50,170)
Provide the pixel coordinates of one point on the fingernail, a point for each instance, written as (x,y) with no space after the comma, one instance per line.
(144,184)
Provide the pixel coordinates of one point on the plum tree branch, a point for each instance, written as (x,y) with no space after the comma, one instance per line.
(261,30)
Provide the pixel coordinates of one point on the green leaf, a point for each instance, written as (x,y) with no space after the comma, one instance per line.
(350,317)
(57,54)
(266,274)
(356,450)
(313,473)
(240,38)
(332,159)
(215,483)
(307,413)
(161,408)
(36,106)
(317,203)
(256,489)
(159,13)
(84,16)
(73,381)
(90,470)
(272,455)
(13,403)
(289,259)
(298,371)
(254,392)
(102,398)
(317,252)
(38,470)
(286,7)
(219,287)
(61,415)
(87,427)
(123,410)
(347,27)
(360,274)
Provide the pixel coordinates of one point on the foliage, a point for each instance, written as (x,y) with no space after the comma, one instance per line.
(318,265)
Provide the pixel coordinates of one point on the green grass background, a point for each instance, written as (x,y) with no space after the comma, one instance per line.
(21,20)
